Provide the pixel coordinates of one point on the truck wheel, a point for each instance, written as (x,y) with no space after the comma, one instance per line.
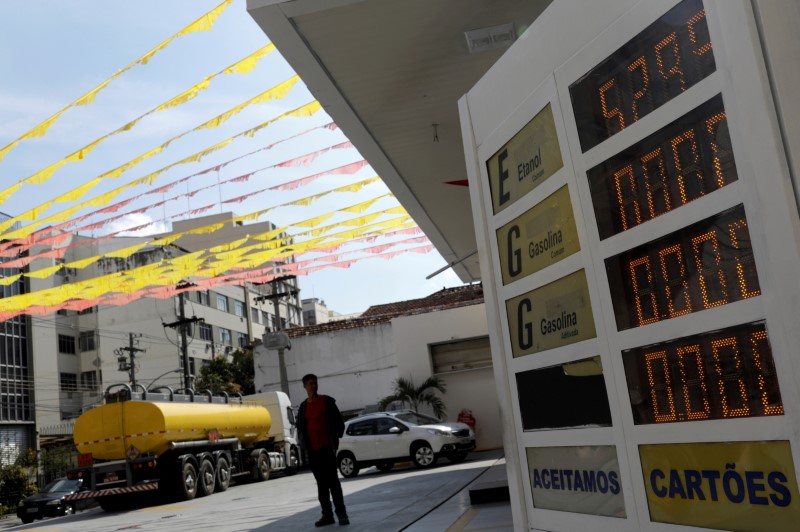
(223,474)
(112,503)
(294,461)
(261,469)
(422,454)
(207,478)
(187,487)
(26,520)
(348,466)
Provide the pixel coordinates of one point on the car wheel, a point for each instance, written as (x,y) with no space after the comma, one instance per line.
(458,456)
(69,509)
(207,478)
(187,488)
(422,454)
(26,520)
(348,466)
(223,474)
(384,466)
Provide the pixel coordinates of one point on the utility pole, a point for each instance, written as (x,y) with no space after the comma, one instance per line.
(124,365)
(275,297)
(181,323)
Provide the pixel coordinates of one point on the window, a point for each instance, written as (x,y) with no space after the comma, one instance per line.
(88,381)
(66,344)
(87,310)
(225,336)
(62,312)
(202,297)
(69,382)
(461,355)
(256,315)
(238,308)
(384,426)
(205,332)
(86,341)
(362,428)
(222,303)
(242,338)
(265,318)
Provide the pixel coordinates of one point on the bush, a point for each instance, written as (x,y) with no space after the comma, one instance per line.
(14,486)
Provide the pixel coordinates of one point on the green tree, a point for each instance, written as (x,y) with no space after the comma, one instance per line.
(232,376)
(405,392)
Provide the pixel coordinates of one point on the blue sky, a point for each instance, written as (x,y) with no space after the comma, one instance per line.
(53,52)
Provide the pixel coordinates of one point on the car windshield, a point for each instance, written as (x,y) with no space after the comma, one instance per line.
(61,484)
(417,419)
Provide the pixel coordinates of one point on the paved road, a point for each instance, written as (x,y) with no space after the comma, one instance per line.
(375,501)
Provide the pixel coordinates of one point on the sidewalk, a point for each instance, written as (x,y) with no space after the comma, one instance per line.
(458,513)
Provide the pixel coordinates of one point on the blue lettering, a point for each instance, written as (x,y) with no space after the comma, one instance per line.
(537,480)
(734,477)
(694,484)
(578,481)
(657,474)
(588,481)
(782,497)
(602,481)
(675,485)
(546,478)
(754,487)
(712,477)
(613,480)
(556,479)
(568,475)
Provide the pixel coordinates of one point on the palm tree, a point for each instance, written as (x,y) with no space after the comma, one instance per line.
(406,392)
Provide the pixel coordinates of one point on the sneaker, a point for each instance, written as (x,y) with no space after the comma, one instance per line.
(325,520)
(344,520)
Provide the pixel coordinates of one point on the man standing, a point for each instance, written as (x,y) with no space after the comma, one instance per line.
(320,426)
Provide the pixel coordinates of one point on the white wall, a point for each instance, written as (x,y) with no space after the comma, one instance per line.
(470,389)
(354,366)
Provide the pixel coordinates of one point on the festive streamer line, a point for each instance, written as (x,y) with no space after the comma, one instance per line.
(241,67)
(275,93)
(172,270)
(302,111)
(59,253)
(204,23)
(56,234)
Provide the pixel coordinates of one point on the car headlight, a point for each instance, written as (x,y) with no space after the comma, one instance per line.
(438,432)
(54,503)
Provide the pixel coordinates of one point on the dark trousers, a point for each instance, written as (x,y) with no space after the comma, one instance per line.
(323,465)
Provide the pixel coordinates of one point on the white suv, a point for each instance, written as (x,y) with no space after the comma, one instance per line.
(384,438)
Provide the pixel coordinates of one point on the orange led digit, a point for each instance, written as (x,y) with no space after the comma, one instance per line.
(696,381)
(647,313)
(625,200)
(640,65)
(656,183)
(614,112)
(677,282)
(732,388)
(687,167)
(664,387)
(711,276)
(715,375)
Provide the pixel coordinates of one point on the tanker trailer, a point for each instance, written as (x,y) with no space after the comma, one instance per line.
(138,445)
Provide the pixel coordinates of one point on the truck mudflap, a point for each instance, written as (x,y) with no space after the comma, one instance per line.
(111,491)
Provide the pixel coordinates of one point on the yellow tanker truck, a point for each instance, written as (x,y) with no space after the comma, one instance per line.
(179,445)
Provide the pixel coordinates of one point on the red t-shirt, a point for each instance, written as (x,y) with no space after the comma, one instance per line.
(317,427)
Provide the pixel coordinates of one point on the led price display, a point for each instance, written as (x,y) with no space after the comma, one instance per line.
(708,264)
(722,374)
(665,59)
(681,162)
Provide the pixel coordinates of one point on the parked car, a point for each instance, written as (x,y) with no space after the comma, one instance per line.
(50,501)
(385,438)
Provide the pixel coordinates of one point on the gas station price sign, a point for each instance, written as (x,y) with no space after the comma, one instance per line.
(717,375)
(705,265)
(668,57)
(681,162)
